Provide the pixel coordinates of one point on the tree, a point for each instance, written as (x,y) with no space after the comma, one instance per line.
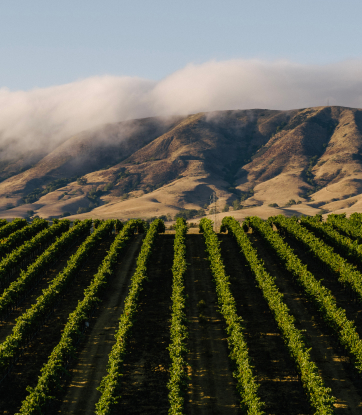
(226,208)
(186,214)
(108,186)
(236,204)
(82,210)
(82,181)
(201,212)
(213,211)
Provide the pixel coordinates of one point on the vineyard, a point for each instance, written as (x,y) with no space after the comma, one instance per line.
(104,317)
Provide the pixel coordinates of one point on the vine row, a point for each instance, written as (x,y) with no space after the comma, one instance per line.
(319,395)
(32,319)
(355,218)
(11,227)
(14,294)
(347,227)
(178,348)
(110,384)
(246,383)
(53,372)
(21,235)
(344,245)
(334,316)
(347,273)
(20,256)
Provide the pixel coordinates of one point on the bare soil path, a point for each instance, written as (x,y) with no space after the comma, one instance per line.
(212,388)
(7,326)
(81,393)
(144,386)
(27,370)
(332,362)
(279,385)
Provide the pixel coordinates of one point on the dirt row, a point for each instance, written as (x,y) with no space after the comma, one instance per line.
(144,384)
(333,363)
(6,326)
(80,394)
(279,386)
(27,370)
(212,387)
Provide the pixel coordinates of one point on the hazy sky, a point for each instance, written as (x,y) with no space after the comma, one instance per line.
(45,43)
(68,66)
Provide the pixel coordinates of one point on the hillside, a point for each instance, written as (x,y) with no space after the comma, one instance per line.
(305,160)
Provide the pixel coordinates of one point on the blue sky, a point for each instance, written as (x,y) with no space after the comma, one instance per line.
(45,43)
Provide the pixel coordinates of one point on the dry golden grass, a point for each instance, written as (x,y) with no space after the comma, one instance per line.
(179,163)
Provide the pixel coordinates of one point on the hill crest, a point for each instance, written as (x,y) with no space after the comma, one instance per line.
(304,160)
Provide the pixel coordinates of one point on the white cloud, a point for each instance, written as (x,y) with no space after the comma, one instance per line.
(47,116)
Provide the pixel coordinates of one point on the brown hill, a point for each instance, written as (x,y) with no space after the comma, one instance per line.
(298,161)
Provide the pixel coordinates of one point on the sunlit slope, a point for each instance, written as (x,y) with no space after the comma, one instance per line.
(157,166)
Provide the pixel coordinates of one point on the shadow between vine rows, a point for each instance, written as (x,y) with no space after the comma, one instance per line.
(27,369)
(212,388)
(331,360)
(279,384)
(146,367)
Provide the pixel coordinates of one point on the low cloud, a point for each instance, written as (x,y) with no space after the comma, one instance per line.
(44,118)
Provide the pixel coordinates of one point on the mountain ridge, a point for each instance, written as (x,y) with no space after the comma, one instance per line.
(303,160)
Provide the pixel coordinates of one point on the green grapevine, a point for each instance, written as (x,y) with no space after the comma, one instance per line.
(49,382)
(21,235)
(19,288)
(110,384)
(319,395)
(34,317)
(177,348)
(12,227)
(20,256)
(247,385)
(333,315)
(347,273)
